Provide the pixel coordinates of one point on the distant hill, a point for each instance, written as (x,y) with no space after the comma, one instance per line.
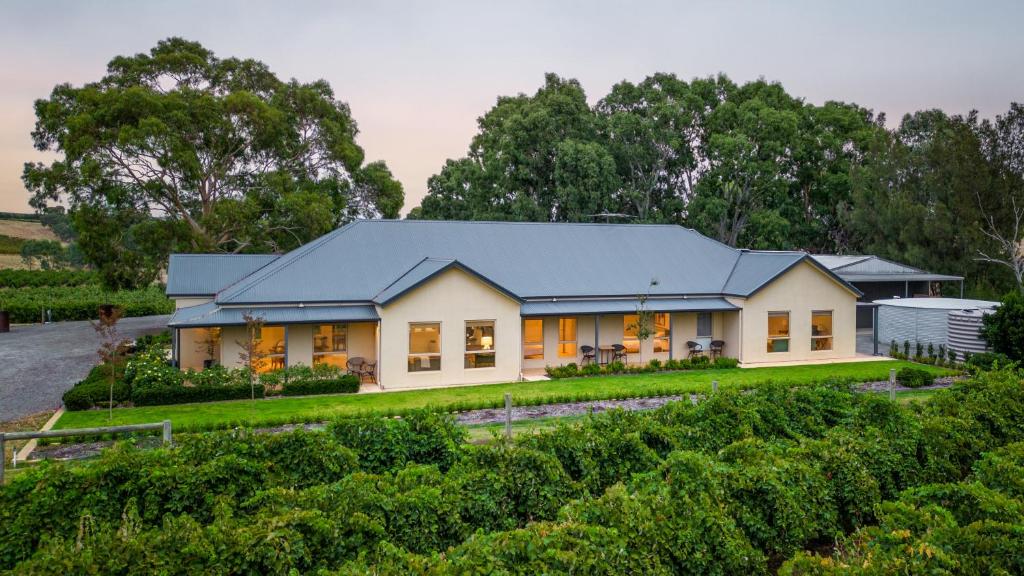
(15,228)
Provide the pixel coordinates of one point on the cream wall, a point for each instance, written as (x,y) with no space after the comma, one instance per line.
(799,291)
(451,298)
(192,348)
(300,344)
(187,302)
(229,347)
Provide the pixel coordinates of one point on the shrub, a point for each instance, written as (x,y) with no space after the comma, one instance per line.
(90,393)
(346,384)
(725,362)
(987,360)
(1003,329)
(914,377)
(180,394)
(384,444)
(26,305)
(40,278)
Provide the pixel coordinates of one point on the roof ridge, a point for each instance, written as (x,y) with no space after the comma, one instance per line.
(402,275)
(305,248)
(524,223)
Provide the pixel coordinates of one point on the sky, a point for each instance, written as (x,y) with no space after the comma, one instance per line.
(417,75)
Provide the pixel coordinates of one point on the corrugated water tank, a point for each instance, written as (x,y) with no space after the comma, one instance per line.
(924,320)
(964,332)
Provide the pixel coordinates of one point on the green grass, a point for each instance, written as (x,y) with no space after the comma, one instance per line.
(272,412)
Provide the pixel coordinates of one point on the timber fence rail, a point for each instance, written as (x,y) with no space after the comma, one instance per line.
(164,426)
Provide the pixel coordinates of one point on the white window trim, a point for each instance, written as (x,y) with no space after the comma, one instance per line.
(830,335)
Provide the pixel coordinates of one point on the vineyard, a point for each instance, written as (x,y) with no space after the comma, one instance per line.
(71,295)
(807,480)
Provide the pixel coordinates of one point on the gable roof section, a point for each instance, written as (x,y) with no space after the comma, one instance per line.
(425,270)
(210,314)
(207,274)
(755,270)
(359,261)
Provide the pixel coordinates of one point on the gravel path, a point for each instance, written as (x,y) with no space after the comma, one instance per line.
(38,363)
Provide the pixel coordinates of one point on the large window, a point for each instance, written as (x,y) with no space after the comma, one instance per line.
(630,325)
(270,348)
(424,347)
(533,339)
(661,330)
(208,342)
(704,325)
(821,330)
(567,337)
(480,344)
(778,331)
(330,345)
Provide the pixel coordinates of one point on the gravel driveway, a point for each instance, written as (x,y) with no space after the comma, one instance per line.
(38,363)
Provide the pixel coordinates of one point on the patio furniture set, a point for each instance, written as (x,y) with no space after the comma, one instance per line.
(358,366)
(617,352)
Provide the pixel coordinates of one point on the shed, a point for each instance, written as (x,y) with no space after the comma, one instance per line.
(878,278)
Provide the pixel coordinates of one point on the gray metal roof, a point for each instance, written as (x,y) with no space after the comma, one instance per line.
(425,270)
(210,314)
(869,268)
(622,306)
(206,274)
(376,260)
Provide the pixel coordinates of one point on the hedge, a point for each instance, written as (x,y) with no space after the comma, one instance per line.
(914,377)
(10,278)
(571,370)
(80,302)
(163,395)
(94,390)
(346,384)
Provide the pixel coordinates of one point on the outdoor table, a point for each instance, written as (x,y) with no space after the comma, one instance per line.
(604,353)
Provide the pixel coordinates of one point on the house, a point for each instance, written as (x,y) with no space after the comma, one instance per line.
(881,279)
(436,303)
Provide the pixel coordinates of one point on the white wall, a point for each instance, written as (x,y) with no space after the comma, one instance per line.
(801,290)
(187,302)
(451,298)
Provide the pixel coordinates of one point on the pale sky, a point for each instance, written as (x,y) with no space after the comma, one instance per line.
(417,75)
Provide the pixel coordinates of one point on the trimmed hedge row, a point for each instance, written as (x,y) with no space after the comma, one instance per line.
(39,278)
(346,384)
(26,305)
(163,395)
(571,370)
(94,390)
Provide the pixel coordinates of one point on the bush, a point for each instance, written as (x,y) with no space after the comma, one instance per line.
(40,278)
(724,362)
(346,384)
(655,365)
(10,245)
(180,394)
(1003,329)
(987,360)
(914,377)
(384,444)
(90,393)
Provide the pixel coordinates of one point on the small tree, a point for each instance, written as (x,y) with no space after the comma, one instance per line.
(208,344)
(251,354)
(644,325)
(1003,329)
(110,346)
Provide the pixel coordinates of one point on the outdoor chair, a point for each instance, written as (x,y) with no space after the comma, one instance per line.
(588,354)
(695,349)
(355,365)
(369,370)
(717,346)
(619,353)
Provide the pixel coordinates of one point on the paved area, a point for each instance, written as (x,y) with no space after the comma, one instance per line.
(38,363)
(865,344)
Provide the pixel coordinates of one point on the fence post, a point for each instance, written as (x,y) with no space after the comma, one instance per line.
(714,386)
(892,384)
(167,432)
(508,415)
(3,458)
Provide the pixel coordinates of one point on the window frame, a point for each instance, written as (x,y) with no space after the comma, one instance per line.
(319,356)
(533,343)
(661,342)
(491,352)
(710,325)
(789,331)
(632,343)
(575,337)
(266,359)
(410,354)
(823,337)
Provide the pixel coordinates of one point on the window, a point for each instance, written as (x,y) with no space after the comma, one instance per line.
(330,345)
(270,348)
(425,347)
(533,339)
(567,337)
(821,330)
(208,345)
(630,323)
(661,330)
(778,331)
(480,344)
(704,325)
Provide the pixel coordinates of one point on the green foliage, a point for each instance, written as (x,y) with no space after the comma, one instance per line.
(10,245)
(1003,329)
(137,143)
(39,278)
(914,377)
(986,361)
(303,381)
(571,370)
(738,484)
(94,390)
(50,255)
(80,302)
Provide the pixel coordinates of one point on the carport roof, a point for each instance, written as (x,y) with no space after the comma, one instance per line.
(868,268)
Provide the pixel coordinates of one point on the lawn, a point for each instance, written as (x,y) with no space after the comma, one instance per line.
(271,412)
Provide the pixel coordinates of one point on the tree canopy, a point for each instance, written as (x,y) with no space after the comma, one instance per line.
(754,167)
(178,149)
